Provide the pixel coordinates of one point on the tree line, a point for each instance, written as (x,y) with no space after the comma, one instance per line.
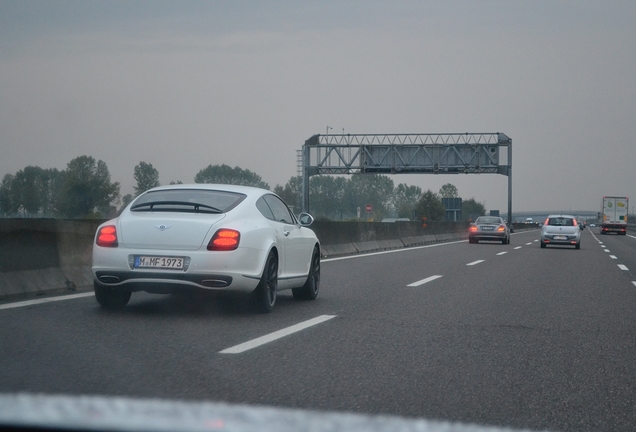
(84,190)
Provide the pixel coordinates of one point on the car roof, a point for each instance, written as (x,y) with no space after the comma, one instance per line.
(561,216)
(247,190)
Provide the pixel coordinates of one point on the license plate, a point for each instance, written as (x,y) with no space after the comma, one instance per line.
(487,228)
(560,237)
(174,263)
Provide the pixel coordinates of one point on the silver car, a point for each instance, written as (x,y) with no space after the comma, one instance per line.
(561,230)
(491,228)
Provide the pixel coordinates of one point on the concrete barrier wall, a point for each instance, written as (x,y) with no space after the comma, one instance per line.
(46,256)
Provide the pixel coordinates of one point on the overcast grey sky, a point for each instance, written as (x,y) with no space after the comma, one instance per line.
(185,84)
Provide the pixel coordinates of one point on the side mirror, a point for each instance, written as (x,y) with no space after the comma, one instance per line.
(305,219)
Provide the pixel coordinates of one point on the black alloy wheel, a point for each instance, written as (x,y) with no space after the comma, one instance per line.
(268,286)
(111,298)
(309,291)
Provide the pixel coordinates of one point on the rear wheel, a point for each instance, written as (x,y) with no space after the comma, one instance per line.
(578,245)
(111,298)
(309,291)
(542,245)
(265,293)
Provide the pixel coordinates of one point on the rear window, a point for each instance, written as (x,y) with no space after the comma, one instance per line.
(560,221)
(488,220)
(187,201)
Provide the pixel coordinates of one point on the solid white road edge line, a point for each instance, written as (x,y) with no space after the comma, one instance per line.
(45,300)
(423,281)
(475,262)
(237,349)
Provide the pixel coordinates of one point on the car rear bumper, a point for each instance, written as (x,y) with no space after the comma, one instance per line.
(571,240)
(172,283)
(237,271)
(492,236)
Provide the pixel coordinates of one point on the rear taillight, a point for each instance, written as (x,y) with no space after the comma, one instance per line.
(224,240)
(575,222)
(501,228)
(473,228)
(107,236)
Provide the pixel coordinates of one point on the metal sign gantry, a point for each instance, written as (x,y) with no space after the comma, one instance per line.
(444,153)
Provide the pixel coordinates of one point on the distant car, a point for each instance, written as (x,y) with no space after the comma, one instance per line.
(561,230)
(490,228)
(182,238)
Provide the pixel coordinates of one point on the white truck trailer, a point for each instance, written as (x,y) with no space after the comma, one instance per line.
(614,215)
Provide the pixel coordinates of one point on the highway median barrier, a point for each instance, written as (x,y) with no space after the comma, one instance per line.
(40,257)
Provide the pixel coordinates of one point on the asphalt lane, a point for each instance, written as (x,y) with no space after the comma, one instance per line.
(523,337)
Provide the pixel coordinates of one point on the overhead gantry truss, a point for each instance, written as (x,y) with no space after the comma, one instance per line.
(452,153)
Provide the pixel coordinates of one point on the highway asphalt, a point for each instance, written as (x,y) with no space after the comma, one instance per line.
(503,335)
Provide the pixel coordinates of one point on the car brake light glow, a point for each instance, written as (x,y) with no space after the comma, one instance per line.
(107,236)
(575,222)
(473,228)
(224,240)
(501,228)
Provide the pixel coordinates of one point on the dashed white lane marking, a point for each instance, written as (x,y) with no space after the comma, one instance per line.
(475,262)
(528,244)
(607,250)
(613,257)
(502,253)
(518,247)
(634,282)
(46,300)
(423,281)
(237,349)
(622,267)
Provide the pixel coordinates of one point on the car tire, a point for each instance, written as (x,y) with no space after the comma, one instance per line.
(309,291)
(578,246)
(111,298)
(266,291)
(542,245)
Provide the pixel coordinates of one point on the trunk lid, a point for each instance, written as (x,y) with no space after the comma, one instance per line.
(166,231)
